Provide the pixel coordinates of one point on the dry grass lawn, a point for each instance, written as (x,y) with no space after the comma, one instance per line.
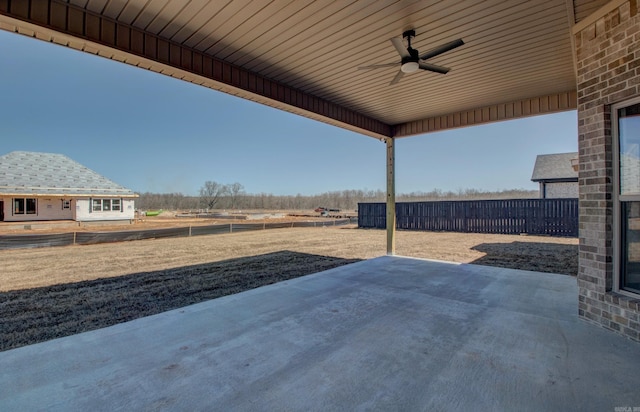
(52,292)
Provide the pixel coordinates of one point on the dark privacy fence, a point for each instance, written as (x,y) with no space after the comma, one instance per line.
(87,238)
(554,217)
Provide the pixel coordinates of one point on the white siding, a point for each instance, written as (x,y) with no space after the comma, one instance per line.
(46,209)
(561,190)
(51,209)
(83,211)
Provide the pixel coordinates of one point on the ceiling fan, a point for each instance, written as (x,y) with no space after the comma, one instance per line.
(412,60)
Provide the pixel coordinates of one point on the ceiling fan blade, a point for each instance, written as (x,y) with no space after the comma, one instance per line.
(378,66)
(434,68)
(397,78)
(441,49)
(399,45)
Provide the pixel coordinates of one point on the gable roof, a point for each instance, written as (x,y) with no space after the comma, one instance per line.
(555,167)
(32,173)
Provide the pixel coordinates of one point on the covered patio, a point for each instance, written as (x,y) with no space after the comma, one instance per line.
(391,333)
(393,69)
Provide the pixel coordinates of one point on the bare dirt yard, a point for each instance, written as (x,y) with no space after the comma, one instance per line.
(52,292)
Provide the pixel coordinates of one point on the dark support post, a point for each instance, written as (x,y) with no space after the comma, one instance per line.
(391,197)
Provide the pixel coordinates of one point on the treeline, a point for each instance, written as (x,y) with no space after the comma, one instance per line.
(467,194)
(345,199)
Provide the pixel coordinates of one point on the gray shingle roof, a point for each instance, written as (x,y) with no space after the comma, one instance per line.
(555,167)
(50,173)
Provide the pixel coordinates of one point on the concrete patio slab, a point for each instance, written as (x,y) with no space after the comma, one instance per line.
(390,333)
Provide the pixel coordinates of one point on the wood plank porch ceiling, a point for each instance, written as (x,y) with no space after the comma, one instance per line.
(303,55)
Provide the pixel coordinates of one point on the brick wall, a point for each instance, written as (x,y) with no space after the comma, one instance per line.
(608,65)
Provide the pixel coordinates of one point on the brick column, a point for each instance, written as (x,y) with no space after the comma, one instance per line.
(608,72)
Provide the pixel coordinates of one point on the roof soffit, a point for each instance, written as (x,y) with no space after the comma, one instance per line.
(308,52)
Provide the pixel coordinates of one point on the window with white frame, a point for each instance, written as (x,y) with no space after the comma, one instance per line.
(66,204)
(106,205)
(23,206)
(627,205)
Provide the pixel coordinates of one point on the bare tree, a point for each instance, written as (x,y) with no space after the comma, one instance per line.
(235,190)
(211,192)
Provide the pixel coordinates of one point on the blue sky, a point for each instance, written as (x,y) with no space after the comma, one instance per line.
(153,133)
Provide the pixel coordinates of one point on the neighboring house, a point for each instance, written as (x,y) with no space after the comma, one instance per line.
(48,186)
(557,175)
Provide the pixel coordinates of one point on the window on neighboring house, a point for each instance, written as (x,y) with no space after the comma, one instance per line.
(66,204)
(105,205)
(18,206)
(25,206)
(31,206)
(627,118)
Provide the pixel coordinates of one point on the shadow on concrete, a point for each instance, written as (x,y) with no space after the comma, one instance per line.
(35,315)
(536,256)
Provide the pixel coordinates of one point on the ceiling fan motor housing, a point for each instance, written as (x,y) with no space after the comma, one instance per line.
(410,64)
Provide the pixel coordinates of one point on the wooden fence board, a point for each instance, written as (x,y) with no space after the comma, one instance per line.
(553,217)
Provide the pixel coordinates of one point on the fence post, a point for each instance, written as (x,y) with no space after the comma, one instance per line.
(527,217)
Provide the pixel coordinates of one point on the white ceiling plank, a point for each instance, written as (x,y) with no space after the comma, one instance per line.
(96,6)
(147,14)
(114,7)
(227,30)
(132,10)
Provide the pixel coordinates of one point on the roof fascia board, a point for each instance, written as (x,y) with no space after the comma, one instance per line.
(77,189)
(559,180)
(67,24)
(505,111)
(67,195)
